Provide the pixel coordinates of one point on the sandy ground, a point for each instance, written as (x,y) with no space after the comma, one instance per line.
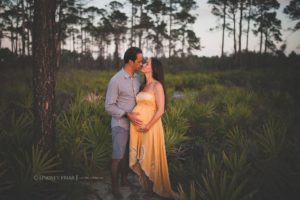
(134,192)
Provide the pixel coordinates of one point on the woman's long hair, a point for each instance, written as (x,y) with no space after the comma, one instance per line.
(157,74)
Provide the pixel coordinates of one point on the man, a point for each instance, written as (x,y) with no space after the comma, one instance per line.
(120,100)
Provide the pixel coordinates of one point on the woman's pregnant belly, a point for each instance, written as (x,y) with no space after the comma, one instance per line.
(145,112)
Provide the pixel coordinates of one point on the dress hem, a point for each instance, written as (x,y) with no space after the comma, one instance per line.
(149,179)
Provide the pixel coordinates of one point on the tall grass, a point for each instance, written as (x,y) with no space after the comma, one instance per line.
(232,135)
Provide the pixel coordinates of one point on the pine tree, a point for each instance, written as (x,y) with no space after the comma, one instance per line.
(272,33)
(44,57)
(242,7)
(293,11)
(219,10)
(158,32)
(263,7)
(185,32)
(249,17)
(232,14)
(116,22)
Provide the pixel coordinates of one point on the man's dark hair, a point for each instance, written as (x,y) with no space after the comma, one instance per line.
(131,54)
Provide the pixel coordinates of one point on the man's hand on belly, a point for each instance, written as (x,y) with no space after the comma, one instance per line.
(133,117)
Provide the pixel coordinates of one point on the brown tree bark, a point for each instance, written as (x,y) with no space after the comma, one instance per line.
(234,33)
(223,28)
(44,63)
(266,42)
(131,28)
(17,35)
(116,53)
(12,38)
(248,24)
(261,33)
(141,29)
(170,27)
(29,35)
(58,41)
(23,28)
(241,25)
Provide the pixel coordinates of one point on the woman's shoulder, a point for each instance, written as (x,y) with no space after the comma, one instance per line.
(157,87)
(157,84)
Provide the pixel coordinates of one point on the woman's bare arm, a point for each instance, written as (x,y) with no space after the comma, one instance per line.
(160,104)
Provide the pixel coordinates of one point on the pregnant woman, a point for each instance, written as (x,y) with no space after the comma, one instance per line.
(147,145)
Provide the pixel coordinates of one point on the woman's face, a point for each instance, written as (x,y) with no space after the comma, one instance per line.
(147,67)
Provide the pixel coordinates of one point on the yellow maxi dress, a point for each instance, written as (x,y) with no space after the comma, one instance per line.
(147,150)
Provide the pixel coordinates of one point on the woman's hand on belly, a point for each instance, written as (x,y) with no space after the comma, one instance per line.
(143,128)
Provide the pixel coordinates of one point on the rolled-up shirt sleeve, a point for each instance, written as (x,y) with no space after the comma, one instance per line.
(111,100)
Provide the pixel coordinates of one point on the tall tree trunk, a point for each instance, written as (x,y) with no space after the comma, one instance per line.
(28,42)
(223,31)
(183,43)
(101,49)
(147,41)
(266,42)
(23,28)
(85,42)
(105,50)
(116,54)
(157,41)
(73,41)
(141,28)
(261,32)
(59,33)
(170,28)
(234,33)
(248,24)
(44,74)
(140,38)
(131,30)
(157,47)
(261,42)
(16,31)
(29,39)
(81,33)
(12,39)
(241,25)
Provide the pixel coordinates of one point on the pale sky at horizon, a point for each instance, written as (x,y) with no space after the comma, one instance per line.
(211,40)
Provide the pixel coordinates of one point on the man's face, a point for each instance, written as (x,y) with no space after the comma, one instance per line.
(137,64)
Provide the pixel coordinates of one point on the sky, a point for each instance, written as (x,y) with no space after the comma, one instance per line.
(211,40)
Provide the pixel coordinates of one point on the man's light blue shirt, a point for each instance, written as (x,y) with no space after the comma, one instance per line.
(120,97)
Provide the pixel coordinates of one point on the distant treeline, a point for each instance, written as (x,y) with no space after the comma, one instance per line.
(163,27)
(74,60)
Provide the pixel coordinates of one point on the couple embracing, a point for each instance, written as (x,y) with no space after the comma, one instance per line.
(137,131)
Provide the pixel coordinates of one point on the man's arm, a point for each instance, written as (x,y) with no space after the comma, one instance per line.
(111,100)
